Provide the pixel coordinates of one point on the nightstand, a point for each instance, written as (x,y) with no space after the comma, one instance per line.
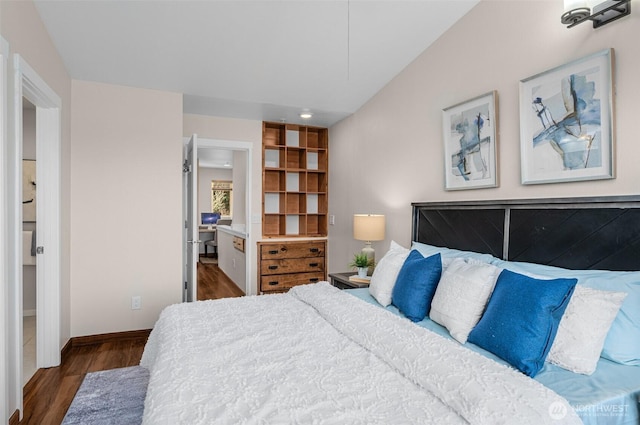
(341,281)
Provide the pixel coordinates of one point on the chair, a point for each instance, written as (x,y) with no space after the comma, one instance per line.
(213,243)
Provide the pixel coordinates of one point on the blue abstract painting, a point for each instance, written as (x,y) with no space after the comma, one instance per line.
(570,122)
(566,122)
(470,144)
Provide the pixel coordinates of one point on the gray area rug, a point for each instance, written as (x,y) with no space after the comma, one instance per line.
(208,260)
(110,397)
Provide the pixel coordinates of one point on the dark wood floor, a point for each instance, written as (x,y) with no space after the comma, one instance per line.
(214,284)
(49,393)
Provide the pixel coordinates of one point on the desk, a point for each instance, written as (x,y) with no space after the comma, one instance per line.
(207,229)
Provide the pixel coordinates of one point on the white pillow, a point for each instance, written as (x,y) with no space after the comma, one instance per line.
(583,329)
(385,273)
(462,295)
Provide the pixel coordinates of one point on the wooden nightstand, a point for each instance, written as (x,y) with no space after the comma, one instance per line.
(341,281)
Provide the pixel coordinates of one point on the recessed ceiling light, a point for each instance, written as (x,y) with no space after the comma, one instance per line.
(227,164)
(306,115)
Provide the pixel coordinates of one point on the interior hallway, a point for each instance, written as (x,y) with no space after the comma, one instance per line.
(214,284)
(28,348)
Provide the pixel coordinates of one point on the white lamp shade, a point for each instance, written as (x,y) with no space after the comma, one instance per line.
(574,4)
(368,227)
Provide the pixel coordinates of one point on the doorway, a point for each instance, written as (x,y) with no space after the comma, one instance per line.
(29,232)
(237,160)
(29,86)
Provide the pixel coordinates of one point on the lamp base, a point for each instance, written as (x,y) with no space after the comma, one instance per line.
(371,255)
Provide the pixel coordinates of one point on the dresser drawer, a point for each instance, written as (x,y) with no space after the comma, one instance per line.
(291,250)
(285,264)
(238,243)
(291,265)
(288,281)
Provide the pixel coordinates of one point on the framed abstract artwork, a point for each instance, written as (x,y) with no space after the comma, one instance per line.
(470,143)
(566,122)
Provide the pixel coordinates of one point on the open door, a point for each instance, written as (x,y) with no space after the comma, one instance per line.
(191,236)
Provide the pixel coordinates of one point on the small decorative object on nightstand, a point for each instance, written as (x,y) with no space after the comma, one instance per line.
(361,262)
(348,280)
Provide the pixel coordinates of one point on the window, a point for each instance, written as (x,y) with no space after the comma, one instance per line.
(222,197)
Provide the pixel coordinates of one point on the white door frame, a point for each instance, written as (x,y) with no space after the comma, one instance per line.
(28,84)
(248,148)
(4,276)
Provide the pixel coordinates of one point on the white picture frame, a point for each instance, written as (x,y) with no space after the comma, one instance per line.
(471,143)
(567,122)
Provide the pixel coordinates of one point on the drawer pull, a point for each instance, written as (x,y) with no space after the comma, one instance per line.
(314,250)
(273,283)
(273,251)
(273,267)
(313,264)
(314,279)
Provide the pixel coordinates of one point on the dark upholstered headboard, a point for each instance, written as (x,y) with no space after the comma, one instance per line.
(575,233)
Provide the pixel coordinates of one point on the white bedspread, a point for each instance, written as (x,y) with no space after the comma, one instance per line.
(320,356)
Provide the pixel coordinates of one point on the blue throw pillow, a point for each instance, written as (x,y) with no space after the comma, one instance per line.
(623,340)
(415,285)
(521,319)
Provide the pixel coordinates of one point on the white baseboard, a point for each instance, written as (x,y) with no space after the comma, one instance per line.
(26,313)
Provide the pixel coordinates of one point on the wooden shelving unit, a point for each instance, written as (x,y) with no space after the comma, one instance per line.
(294,179)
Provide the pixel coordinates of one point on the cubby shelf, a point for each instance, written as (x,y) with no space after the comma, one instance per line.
(294,177)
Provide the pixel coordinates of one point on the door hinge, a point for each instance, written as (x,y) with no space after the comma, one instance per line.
(39,250)
(186,167)
(185,286)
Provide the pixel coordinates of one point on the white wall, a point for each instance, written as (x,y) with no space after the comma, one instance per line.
(28,133)
(243,131)
(21,27)
(396,138)
(126,203)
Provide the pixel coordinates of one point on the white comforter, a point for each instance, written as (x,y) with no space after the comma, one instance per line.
(321,356)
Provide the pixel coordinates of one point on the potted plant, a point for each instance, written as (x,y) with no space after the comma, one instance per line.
(361,262)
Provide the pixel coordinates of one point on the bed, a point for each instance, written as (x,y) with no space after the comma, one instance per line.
(320,355)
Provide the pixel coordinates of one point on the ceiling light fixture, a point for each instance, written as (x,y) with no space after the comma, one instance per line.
(305,114)
(227,164)
(579,11)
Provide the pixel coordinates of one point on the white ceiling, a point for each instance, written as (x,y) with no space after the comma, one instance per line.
(262,60)
(215,158)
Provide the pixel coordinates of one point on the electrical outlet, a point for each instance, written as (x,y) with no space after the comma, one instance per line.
(136,302)
(332,219)
(233,263)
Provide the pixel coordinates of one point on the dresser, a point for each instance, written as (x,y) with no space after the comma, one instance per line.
(285,264)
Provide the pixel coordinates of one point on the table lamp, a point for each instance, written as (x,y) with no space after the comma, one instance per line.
(368,227)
